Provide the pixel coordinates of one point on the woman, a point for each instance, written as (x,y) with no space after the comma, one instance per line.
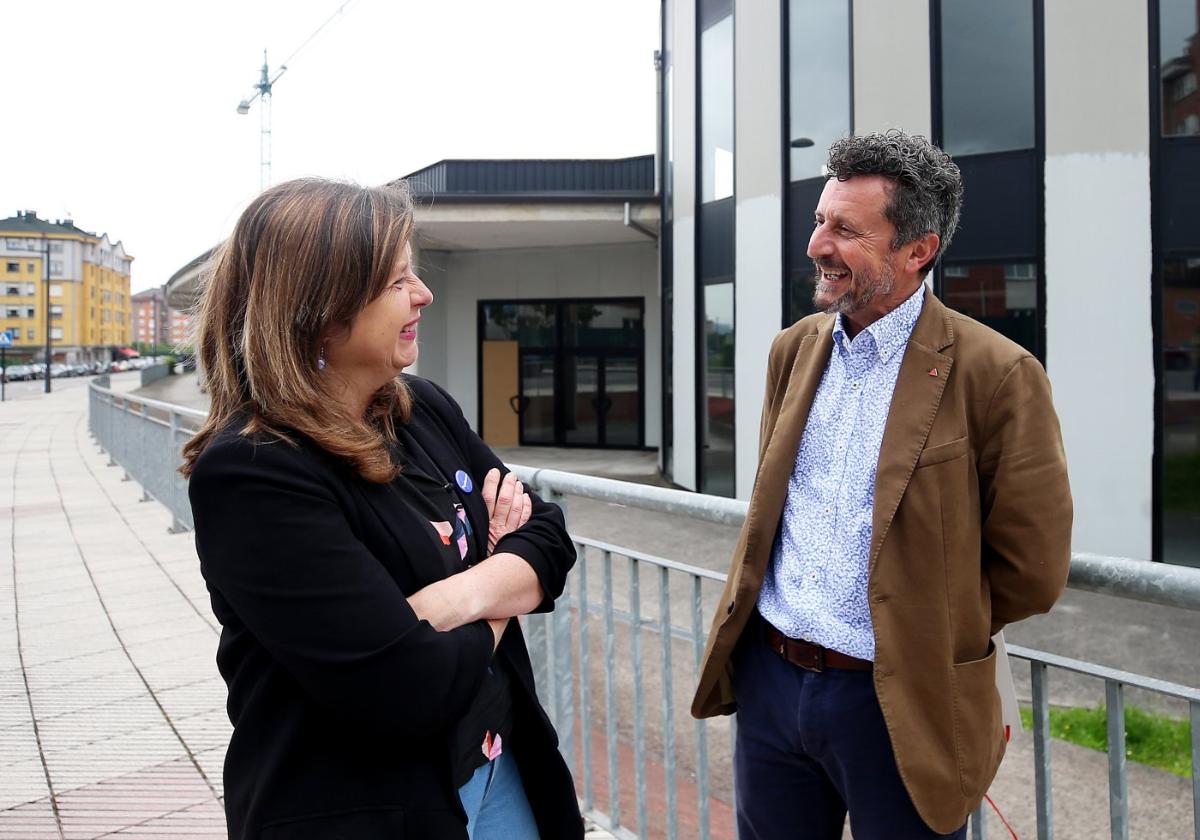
(362,555)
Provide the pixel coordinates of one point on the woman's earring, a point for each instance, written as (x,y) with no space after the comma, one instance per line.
(321,358)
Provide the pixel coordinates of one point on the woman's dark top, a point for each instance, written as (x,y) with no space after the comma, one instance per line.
(486,728)
(344,704)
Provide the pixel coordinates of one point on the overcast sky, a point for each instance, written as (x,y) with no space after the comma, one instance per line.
(123,116)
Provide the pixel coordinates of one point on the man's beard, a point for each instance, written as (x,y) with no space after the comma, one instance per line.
(863,288)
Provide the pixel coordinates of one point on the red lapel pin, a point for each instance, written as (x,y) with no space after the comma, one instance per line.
(933,372)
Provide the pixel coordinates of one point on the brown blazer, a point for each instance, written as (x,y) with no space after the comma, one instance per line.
(971,531)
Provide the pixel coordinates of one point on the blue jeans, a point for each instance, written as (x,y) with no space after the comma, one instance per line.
(495,802)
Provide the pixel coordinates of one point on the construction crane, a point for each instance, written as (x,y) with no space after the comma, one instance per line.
(262,91)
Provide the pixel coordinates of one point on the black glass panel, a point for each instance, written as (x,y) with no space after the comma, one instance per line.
(1000,208)
(987,76)
(537,398)
(1180,443)
(802,202)
(1179,62)
(717,440)
(599,324)
(1003,296)
(622,403)
(582,406)
(531,324)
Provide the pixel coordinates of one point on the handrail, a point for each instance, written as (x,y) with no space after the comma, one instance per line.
(1156,583)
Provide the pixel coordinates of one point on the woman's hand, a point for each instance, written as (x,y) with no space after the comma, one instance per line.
(508,505)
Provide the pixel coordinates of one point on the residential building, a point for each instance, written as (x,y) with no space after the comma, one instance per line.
(151,322)
(88,279)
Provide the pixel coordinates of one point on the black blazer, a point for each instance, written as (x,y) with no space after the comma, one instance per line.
(343,702)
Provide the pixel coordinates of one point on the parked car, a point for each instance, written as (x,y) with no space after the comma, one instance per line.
(18,373)
(58,370)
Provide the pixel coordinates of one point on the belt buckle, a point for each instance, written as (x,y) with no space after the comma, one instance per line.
(817,662)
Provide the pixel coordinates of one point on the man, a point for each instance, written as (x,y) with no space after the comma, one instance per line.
(911,501)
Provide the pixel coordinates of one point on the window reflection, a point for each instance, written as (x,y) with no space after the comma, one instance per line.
(1180,444)
(716,110)
(987,76)
(1179,57)
(818,81)
(1003,296)
(718,440)
(532,324)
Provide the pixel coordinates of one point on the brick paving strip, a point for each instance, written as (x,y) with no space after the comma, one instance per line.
(112,713)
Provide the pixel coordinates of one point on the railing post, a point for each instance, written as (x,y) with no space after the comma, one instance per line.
(1118,792)
(560,671)
(639,704)
(668,703)
(701,726)
(978,827)
(1041,751)
(610,697)
(585,691)
(177,526)
(1194,706)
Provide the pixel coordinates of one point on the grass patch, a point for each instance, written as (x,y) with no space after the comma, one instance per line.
(1150,738)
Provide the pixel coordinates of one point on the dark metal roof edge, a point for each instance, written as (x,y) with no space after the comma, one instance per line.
(445,161)
(531,198)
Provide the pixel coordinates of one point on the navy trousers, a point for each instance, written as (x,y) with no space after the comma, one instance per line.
(810,747)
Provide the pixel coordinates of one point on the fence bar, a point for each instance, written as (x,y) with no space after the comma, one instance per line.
(668,703)
(978,829)
(639,700)
(585,683)
(701,727)
(1195,710)
(610,696)
(1118,792)
(1041,750)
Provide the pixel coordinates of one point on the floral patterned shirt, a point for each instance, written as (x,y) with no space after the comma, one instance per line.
(816,586)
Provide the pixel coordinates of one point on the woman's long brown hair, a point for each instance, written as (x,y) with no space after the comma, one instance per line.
(304,259)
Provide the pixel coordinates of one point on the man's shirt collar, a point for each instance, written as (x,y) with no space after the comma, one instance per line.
(891,332)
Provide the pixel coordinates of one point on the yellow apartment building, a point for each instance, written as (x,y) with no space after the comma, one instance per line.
(88,296)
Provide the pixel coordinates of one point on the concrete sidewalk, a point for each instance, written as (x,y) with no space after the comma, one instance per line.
(112,713)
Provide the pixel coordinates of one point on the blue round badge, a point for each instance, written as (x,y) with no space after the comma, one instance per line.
(464,481)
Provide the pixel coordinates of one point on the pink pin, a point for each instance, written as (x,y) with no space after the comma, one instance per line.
(933,372)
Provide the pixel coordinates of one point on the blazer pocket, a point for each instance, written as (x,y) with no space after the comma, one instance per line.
(944,452)
(978,728)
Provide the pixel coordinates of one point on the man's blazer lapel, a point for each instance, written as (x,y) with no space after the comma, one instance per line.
(924,372)
(783,442)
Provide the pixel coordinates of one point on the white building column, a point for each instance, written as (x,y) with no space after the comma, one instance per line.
(758,272)
(1098,266)
(683,316)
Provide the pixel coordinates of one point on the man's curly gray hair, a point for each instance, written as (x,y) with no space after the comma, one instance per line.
(927,196)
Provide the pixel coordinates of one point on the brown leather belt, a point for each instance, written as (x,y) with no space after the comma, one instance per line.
(809,656)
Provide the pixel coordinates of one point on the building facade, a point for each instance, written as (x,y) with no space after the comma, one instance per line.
(151,322)
(88,278)
(1076,125)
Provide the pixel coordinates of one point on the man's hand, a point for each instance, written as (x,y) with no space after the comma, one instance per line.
(508,505)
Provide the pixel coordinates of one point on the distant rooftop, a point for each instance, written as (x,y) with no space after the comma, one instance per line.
(27,221)
(622,179)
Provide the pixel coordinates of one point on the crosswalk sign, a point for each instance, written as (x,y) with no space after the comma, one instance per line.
(5,339)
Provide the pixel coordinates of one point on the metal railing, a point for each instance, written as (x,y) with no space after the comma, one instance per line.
(145,437)
(1161,584)
(641,774)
